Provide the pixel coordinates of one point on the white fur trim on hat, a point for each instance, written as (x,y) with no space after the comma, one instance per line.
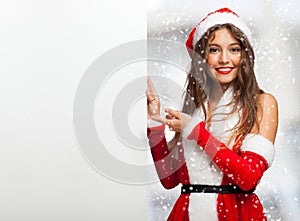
(219,17)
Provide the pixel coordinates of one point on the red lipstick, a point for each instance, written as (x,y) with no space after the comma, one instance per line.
(224,70)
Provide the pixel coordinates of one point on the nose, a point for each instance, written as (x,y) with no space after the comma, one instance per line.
(224,57)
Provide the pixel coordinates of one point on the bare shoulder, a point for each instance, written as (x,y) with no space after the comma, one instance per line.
(267,115)
(267,100)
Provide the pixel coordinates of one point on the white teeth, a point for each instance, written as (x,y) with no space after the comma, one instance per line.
(224,69)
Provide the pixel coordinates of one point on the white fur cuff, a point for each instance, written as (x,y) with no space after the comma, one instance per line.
(196,118)
(260,145)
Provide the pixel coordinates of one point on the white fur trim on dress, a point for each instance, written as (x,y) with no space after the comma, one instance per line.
(196,118)
(152,123)
(260,145)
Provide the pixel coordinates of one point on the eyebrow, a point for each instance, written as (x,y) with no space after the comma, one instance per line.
(236,43)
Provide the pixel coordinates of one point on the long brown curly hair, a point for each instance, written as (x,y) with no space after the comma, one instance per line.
(201,86)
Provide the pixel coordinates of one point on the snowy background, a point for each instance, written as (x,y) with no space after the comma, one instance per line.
(47,46)
(276,30)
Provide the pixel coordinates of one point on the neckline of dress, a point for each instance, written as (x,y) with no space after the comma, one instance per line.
(225,99)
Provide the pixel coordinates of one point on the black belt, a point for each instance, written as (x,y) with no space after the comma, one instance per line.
(198,188)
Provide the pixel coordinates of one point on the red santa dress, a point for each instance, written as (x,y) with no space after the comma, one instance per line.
(204,157)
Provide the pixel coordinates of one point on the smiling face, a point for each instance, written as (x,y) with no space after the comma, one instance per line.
(224,56)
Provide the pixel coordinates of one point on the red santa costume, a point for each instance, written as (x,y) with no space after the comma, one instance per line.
(217,182)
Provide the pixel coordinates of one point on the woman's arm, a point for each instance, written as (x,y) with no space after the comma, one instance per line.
(267,115)
(257,150)
(165,165)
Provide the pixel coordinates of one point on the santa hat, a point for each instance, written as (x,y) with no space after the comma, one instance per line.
(221,16)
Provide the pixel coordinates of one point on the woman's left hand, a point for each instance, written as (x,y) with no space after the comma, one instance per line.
(176,120)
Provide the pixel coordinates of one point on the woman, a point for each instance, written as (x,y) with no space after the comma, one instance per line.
(225,132)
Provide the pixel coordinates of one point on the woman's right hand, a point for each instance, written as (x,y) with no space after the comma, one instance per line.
(176,120)
(153,102)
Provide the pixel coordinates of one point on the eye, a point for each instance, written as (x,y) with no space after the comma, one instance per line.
(213,50)
(235,49)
